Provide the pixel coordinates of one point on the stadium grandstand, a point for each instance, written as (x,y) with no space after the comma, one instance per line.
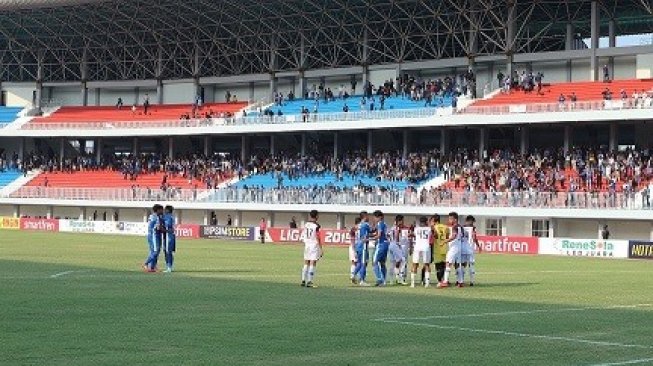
(256,119)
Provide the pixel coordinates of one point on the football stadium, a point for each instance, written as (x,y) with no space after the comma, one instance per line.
(311,182)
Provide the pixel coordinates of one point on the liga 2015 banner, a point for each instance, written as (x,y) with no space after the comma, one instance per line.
(287,235)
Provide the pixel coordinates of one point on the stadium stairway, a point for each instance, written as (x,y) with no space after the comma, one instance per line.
(354,103)
(7,178)
(9,115)
(110,179)
(112,114)
(585,91)
(18,182)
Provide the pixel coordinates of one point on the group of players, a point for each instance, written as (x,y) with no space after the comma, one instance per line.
(160,236)
(451,246)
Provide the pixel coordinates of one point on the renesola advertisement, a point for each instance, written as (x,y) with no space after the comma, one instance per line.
(638,249)
(328,236)
(584,247)
(509,244)
(227,232)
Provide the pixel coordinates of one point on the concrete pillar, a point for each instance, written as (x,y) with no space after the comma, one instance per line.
(567,139)
(135,146)
(238,218)
(159,91)
(98,148)
(523,140)
(614,137)
(594,40)
(62,147)
(197,88)
(244,149)
(179,217)
(552,227)
(303,144)
(137,95)
(504,226)
(82,213)
(84,91)
(340,221)
(146,215)
(405,144)
(272,146)
(171,147)
(483,141)
(302,86)
(50,212)
(21,148)
(97,97)
(510,38)
(444,141)
(336,146)
(207,145)
(651,235)
(16,211)
(205,219)
(366,76)
(271,219)
(303,219)
(612,42)
(569,45)
(251,92)
(370,144)
(273,84)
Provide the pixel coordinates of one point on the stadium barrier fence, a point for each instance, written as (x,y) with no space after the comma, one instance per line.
(348,116)
(542,200)
(507,244)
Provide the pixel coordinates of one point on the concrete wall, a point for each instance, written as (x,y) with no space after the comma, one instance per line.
(177,93)
(19,94)
(6,210)
(644,66)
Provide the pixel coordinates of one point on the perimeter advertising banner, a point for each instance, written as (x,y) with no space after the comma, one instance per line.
(584,247)
(104,227)
(227,232)
(328,236)
(187,231)
(9,223)
(640,249)
(39,224)
(509,244)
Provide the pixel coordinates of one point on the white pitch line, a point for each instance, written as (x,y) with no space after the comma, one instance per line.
(61,274)
(524,312)
(630,362)
(520,335)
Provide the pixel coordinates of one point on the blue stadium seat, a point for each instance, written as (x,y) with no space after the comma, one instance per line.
(8,176)
(392,103)
(8,115)
(270,180)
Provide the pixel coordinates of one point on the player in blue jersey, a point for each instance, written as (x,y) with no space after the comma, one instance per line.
(170,244)
(362,256)
(155,230)
(382,247)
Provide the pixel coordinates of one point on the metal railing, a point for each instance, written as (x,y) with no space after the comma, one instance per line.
(627,104)
(558,200)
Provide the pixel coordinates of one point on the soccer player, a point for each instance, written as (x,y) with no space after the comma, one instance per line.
(422,251)
(440,236)
(312,249)
(399,242)
(381,251)
(454,253)
(471,245)
(353,258)
(362,253)
(155,228)
(170,244)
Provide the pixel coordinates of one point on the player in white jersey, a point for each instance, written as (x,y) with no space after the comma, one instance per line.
(312,249)
(399,237)
(422,251)
(353,258)
(454,254)
(470,246)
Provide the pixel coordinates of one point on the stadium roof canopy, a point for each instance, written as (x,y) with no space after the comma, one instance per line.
(139,39)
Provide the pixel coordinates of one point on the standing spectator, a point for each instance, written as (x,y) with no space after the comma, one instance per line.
(500,79)
(293,223)
(229,220)
(606,74)
(262,228)
(214,219)
(119,104)
(605,233)
(146,104)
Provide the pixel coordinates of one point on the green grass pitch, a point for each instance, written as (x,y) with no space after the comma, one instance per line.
(69,299)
